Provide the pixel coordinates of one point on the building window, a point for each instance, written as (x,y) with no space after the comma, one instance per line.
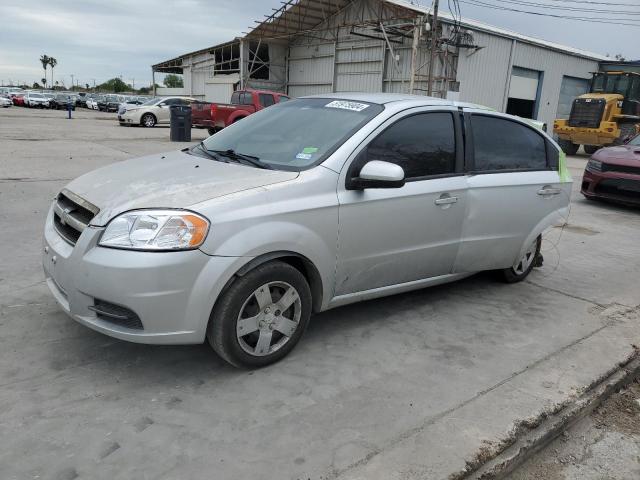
(258,61)
(227,59)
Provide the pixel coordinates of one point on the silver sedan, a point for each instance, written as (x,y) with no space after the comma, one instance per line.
(306,206)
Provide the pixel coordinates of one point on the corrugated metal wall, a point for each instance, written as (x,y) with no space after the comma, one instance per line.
(483,74)
(554,66)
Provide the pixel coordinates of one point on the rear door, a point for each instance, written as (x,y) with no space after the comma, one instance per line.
(398,235)
(514,189)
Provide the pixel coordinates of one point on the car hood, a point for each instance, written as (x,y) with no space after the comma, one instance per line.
(620,155)
(168,180)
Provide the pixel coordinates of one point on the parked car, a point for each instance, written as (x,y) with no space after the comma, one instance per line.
(108,103)
(613,173)
(5,101)
(62,100)
(305,206)
(35,99)
(154,112)
(216,116)
(18,99)
(92,102)
(130,102)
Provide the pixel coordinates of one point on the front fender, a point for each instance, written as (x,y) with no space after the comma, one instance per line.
(283,236)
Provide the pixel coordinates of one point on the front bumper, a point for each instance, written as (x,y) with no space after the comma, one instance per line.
(613,186)
(172,293)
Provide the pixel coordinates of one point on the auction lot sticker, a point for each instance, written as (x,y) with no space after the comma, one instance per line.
(346,105)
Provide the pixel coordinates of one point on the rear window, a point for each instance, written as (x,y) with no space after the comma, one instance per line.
(295,135)
(266,100)
(503,144)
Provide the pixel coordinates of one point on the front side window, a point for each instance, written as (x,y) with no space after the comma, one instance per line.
(266,100)
(502,144)
(423,145)
(246,98)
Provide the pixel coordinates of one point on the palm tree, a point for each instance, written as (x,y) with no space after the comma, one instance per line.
(44,60)
(44,82)
(53,62)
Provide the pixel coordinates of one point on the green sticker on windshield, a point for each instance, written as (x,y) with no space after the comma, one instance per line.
(563,170)
(309,150)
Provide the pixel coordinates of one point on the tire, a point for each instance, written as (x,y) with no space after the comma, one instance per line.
(568,147)
(591,149)
(627,131)
(211,131)
(148,120)
(263,319)
(523,268)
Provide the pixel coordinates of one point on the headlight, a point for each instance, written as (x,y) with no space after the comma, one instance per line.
(594,165)
(156,230)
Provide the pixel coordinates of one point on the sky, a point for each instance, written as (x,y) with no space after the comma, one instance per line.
(97,40)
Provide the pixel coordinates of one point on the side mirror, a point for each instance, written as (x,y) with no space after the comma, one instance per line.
(378,174)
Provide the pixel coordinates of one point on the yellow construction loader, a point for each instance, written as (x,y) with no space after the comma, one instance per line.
(608,115)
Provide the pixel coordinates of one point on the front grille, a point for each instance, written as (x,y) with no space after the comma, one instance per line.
(586,112)
(607,167)
(116,314)
(71,215)
(619,188)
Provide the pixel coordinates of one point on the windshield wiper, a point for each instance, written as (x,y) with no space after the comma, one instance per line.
(210,153)
(233,155)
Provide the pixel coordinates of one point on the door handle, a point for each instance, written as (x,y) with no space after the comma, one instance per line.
(549,191)
(446,200)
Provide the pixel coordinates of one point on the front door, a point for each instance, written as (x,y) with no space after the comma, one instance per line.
(398,235)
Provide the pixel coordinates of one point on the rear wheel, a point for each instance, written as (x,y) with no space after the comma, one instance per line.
(148,120)
(260,318)
(591,149)
(524,265)
(568,147)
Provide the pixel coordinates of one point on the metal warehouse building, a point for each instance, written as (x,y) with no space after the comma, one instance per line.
(318,46)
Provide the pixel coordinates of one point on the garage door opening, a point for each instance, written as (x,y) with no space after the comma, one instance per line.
(524,92)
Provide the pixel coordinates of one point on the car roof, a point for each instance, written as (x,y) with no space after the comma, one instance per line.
(386,98)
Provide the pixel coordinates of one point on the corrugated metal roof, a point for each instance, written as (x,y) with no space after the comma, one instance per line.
(475,25)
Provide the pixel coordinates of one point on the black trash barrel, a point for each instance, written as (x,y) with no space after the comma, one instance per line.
(180,123)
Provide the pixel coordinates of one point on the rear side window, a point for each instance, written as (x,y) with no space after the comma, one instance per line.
(423,145)
(266,100)
(501,144)
(235,98)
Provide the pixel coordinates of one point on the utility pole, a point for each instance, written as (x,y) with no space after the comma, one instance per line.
(434,45)
(133,84)
(417,28)
(72,84)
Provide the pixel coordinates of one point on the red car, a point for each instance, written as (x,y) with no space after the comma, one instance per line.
(216,116)
(18,99)
(613,173)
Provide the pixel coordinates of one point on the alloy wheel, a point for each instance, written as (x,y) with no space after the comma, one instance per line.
(527,259)
(268,318)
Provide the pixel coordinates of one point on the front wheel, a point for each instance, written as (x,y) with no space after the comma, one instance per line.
(521,269)
(568,147)
(148,120)
(591,149)
(260,318)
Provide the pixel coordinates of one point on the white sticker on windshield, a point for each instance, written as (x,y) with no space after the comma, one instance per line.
(345,105)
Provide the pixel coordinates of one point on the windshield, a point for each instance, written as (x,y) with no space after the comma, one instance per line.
(635,141)
(604,83)
(36,95)
(295,135)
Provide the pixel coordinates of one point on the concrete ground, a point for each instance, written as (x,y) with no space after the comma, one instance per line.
(420,385)
(606,444)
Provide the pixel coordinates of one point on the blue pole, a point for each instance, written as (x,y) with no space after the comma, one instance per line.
(69,108)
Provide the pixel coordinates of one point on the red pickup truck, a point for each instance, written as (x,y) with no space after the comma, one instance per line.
(216,116)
